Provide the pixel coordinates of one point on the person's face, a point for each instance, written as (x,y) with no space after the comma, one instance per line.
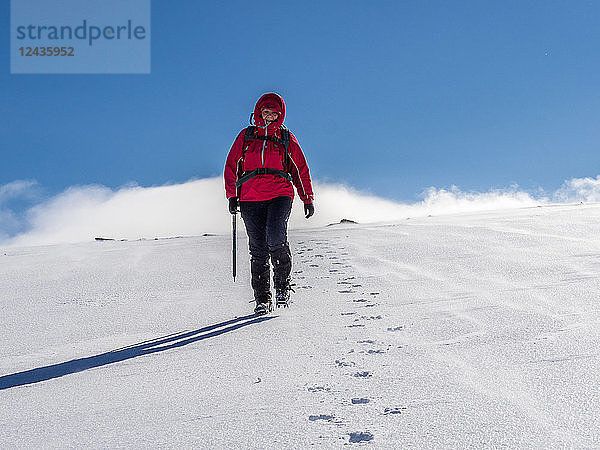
(269,115)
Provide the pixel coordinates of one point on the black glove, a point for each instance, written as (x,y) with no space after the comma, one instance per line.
(309,209)
(233,205)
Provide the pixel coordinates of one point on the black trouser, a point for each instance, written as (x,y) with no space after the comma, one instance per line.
(266,225)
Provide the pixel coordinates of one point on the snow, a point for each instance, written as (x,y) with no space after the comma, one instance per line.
(477,329)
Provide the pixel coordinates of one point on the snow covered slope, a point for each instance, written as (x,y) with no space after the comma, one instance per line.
(468,330)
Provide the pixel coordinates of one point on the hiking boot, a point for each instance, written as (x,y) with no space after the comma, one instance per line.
(263,307)
(282,296)
(282,299)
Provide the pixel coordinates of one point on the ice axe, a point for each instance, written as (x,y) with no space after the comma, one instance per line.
(234,237)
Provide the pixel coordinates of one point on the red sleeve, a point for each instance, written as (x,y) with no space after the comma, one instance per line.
(231,165)
(299,171)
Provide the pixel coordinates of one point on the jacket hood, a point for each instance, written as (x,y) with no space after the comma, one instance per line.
(272,101)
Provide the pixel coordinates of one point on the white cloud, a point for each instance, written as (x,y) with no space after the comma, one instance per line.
(336,202)
(84,212)
(17,189)
(7,222)
(579,190)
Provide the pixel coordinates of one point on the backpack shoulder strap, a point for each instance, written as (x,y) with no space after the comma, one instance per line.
(250,132)
(285,137)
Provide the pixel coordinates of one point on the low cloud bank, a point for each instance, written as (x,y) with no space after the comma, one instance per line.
(585,190)
(83,213)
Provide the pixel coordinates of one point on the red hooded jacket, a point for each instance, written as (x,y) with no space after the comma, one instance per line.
(259,153)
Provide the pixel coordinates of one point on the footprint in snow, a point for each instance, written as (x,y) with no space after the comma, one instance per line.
(394,410)
(319,389)
(360,436)
(325,417)
(342,363)
(363,374)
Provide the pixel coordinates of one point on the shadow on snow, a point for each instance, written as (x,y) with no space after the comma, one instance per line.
(133,351)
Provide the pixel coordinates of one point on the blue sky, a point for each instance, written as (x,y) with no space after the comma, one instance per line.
(387,97)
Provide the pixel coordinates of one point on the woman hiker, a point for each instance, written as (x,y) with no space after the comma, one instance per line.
(263,165)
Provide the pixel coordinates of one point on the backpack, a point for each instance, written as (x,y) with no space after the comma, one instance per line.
(250,134)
